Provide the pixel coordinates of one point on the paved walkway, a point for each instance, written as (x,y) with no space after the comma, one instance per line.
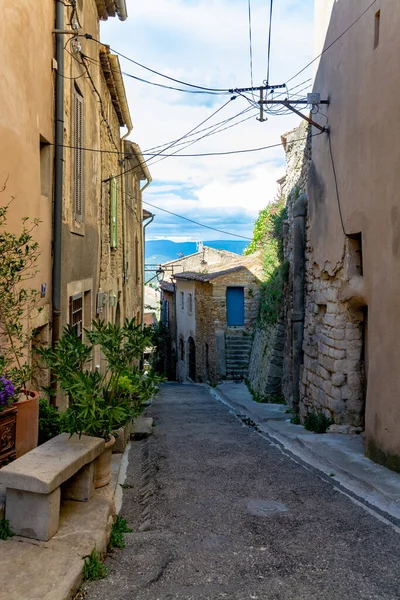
(337,455)
(221,512)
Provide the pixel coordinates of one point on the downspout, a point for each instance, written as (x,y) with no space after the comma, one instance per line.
(299,260)
(58,175)
(122,166)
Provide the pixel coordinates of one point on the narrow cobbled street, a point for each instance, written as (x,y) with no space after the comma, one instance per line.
(220,512)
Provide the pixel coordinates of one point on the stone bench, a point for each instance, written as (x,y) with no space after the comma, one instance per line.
(62,467)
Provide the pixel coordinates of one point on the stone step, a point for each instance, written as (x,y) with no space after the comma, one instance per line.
(236,370)
(238,347)
(232,363)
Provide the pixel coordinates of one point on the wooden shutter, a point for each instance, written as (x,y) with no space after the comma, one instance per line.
(113,213)
(78,156)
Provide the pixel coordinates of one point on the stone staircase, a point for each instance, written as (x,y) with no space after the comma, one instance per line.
(237,349)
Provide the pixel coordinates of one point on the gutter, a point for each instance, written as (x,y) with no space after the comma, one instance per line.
(121,9)
(58,173)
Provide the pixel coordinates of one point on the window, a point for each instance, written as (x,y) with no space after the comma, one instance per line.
(76,314)
(182,349)
(182,300)
(113,213)
(190,304)
(80,312)
(78,156)
(377,28)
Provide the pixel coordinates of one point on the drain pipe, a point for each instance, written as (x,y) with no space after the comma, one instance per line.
(58,177)
(297,316)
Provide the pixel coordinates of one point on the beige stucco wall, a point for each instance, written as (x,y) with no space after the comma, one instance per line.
(26,116)
(26,113)
(363,85)
(185,325)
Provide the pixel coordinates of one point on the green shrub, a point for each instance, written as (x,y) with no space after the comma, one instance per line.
(5,530)
(120,526)
(317,422)
(50,421)
(94,568)
(295,420)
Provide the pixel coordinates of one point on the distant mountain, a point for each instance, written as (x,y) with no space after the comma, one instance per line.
(161,251)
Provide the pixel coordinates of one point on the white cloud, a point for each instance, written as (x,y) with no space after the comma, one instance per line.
(206,42)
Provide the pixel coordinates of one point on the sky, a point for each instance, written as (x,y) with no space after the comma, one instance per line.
(206,43)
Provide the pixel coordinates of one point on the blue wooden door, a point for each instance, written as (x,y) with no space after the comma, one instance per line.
(235,306)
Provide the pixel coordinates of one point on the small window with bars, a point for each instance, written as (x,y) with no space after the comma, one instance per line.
(76,314)
(78,156)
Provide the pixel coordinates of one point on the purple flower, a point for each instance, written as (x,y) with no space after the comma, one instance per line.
(7,391)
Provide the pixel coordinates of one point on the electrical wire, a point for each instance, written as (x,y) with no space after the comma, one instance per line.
(182,137)
(204,129)
(102,111)
(336,182)
(199,87)
(213,132)
(334,41)
(160,85)
(196,222)
(250,45)
(226,153)
(269,40)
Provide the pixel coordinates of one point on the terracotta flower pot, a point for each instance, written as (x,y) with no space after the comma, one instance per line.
(27,422)
(103,465)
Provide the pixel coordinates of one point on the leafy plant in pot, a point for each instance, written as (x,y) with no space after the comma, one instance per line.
(18,306)
(98,404)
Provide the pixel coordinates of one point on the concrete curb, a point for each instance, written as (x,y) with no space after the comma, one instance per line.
(365,490)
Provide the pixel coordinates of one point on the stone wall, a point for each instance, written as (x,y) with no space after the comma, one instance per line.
(332,378)
(266,361)
(271,365)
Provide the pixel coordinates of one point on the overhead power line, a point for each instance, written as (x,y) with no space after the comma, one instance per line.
(135,62)
(250,44)
(269,39)
(182,137)
(182,155)
(197,223)
(334,41)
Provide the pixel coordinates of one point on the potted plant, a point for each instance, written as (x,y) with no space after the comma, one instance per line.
(19,254)
(7,421)
(98,401)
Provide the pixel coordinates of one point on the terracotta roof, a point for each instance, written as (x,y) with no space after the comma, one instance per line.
(252,262)
(166,286)
(206,276)
(217,250)
(109,8)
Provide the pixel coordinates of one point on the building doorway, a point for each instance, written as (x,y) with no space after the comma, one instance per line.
(192,359)
(235,306)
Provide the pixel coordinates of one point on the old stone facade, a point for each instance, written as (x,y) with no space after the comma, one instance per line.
(209,348)
(271,362)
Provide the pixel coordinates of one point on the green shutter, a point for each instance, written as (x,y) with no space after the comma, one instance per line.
(113,213)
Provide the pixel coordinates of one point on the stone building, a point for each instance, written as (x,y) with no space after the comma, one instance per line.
(341,302)
(64,158)
(215,316)
(351,349)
